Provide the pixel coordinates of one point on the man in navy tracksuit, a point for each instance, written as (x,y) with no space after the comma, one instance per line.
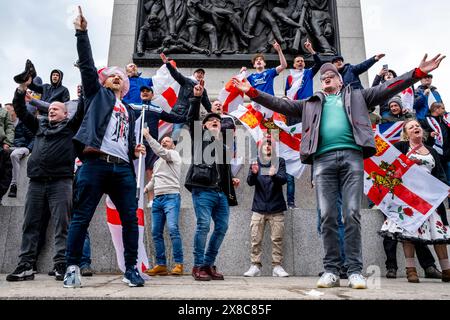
(105,143)
(153,114)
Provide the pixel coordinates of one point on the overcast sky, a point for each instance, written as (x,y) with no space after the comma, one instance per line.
(43,31)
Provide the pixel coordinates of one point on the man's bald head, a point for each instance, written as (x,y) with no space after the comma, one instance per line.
(57,112)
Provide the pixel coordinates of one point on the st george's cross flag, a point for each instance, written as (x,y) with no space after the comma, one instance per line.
(115,224)
(165,88)
(402,190)
(230,96)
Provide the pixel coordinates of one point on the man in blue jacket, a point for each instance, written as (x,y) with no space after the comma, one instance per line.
(106,145)
(425,95)
(350,73)
(136,82)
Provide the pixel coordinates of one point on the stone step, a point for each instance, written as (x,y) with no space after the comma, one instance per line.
(302,245)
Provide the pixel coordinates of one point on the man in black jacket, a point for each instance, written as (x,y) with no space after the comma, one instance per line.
(210,181)
(54,91)
(187,84)
(50,169)
(268,175)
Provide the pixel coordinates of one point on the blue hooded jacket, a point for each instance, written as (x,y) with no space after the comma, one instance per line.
(100,102)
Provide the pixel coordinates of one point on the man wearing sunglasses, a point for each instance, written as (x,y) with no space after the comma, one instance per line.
(337,136)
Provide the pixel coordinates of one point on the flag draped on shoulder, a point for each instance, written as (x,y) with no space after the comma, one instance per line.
(115,224)
(165,88)
(230,96)
(402,190)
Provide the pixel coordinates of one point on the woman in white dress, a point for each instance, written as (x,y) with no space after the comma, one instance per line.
(435,229)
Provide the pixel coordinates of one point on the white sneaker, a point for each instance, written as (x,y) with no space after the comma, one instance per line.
(72,278)
(254,271)
(357,281)
(328,280)
(278,271)
(150,204)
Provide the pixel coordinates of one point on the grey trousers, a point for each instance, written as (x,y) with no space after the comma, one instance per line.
(334,172)
(57,194)
(16,156)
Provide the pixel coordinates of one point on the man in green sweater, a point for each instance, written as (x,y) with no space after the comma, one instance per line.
(337,136)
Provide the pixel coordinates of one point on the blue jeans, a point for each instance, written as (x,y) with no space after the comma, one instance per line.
(340,228)
(86,254)
(166,207)
(209,204)
(290,189)
(176,131)
(95,178)
(340,172)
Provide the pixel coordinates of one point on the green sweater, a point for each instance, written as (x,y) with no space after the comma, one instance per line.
(335,131)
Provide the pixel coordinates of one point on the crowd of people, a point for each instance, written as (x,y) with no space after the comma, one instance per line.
(44,126)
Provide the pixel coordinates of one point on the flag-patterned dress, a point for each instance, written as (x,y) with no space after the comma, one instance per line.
(433,231)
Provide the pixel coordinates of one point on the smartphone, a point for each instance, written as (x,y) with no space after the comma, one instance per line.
(385,67)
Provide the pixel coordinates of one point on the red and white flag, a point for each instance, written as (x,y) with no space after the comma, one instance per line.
(164,128)
(289,137)
(230,96)
(115,224)
(294,81)
(165,88)
(407,96)
(402,190)
(290,142)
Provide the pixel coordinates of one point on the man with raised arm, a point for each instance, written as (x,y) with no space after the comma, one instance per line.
(336,137)
(106,145)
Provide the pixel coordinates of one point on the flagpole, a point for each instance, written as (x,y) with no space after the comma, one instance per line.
(141,141)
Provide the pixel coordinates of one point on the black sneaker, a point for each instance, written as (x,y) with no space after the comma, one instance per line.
(23,272)
(52,272)
(433,273)
(391,274)
(87,271)
(133,278)
(13,191)
(29,71)
(292,205)
(60,271)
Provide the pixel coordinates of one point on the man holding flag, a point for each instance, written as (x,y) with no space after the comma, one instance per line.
(106,144)
(336,137)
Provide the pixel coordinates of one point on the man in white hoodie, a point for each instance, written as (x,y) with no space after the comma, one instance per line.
(166,185)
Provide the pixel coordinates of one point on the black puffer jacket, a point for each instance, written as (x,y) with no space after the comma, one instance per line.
(54,91)
(53,154)
(268,197)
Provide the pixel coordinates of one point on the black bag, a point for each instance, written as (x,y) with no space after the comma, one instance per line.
(203,174)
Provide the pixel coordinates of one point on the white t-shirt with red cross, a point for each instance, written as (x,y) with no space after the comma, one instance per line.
(115,141)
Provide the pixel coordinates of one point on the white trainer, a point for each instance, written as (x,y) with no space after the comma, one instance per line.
(278,271)
(328,280)
(357,281)
(254,271)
